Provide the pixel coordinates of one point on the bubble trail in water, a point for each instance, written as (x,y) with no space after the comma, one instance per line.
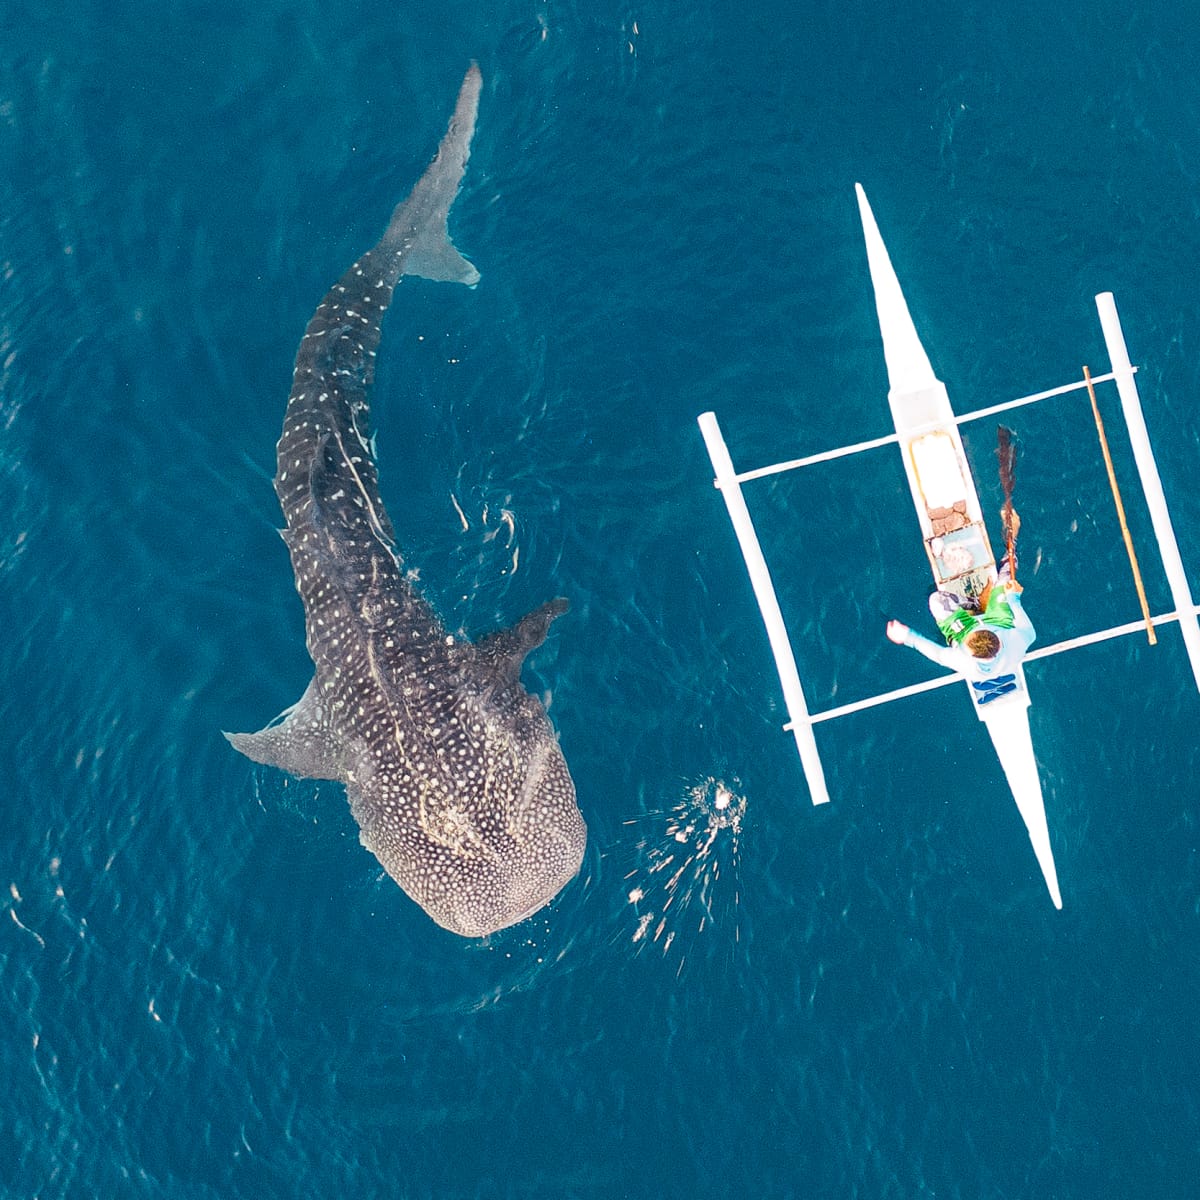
(687,882)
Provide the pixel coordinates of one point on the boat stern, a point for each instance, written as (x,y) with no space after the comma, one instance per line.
(1007,722)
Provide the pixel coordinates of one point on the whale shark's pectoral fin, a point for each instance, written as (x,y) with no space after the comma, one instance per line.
(302,743)
(505,651)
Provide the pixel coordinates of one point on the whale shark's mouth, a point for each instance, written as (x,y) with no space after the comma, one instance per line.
(536,906)
(526,887)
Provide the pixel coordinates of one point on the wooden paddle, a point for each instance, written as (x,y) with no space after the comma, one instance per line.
(1006,451)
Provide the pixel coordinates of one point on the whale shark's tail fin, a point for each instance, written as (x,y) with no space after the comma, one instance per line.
(417,232)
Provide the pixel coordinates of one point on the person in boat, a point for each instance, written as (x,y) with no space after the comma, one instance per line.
(984,642)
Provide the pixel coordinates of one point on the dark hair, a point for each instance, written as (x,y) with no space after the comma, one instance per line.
(982,643)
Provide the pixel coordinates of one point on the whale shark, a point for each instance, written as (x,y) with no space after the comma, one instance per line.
(452,769)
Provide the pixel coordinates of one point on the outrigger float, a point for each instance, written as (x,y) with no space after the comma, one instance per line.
(955,536)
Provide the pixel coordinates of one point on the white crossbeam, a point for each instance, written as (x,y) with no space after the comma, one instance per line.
(890,439)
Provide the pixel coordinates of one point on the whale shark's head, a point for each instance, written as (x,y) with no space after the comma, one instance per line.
(522,868)
(484,858)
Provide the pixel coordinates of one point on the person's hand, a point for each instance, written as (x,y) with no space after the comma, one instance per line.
(897,632)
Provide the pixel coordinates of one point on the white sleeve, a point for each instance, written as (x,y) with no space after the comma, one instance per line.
(942,655)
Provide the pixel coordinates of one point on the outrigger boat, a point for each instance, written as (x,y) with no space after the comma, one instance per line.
(955,537)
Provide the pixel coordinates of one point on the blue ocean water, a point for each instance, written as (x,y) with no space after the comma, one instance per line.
(207,987)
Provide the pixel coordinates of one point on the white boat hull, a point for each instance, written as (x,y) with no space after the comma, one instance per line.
(952,526)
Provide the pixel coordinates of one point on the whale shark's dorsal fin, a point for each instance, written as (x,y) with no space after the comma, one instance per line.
(302,743)
(505,651)
(418,227)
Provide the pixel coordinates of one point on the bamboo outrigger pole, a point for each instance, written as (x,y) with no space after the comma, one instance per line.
(1116,492)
